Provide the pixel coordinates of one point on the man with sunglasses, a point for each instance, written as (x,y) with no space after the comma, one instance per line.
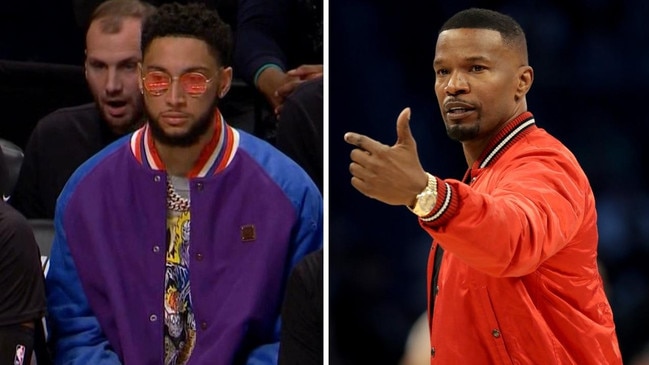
(174,245)
(64,139)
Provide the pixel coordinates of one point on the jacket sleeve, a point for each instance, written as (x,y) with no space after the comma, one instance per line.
(532,211)
(264,355)
(307,237)
(74,332)
(260,36)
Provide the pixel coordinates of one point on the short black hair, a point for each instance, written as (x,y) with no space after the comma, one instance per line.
(194,20)
(476,18)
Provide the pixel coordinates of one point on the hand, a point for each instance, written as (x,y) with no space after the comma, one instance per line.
(307,72)
(391,174)
(270,80)
(297,76)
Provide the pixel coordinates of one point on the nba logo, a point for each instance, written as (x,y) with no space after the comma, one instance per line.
(20,355)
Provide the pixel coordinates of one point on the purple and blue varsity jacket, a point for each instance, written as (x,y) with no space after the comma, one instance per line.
(254,214)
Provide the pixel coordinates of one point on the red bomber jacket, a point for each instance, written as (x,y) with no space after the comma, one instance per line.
(517,281)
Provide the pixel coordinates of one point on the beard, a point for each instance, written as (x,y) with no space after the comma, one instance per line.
(190,137)
(462,133)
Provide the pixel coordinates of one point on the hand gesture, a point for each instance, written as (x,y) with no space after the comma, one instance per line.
(391,174)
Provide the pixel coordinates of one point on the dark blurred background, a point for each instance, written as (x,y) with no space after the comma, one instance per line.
(591,62)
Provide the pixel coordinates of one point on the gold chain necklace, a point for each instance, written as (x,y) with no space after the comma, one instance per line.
(175,202)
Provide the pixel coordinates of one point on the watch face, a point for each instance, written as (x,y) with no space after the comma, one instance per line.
(425,203)
(428,201)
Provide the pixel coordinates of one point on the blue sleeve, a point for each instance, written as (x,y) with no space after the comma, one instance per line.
(308,237)
(309,233)
(264,355)
(74,332)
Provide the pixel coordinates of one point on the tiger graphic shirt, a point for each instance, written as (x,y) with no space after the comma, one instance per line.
(180,325)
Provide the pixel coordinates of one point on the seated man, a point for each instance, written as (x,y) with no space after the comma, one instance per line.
(299,133)
(67,137)
(301,339)
(278,47)
(174,245)
(22,298)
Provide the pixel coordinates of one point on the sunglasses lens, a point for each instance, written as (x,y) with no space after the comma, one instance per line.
(194,83)
(156,83)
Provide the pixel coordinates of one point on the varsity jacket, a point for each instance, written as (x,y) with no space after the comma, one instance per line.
(512,272)
(254,214)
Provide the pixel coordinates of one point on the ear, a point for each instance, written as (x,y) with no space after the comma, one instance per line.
(525,79)
(225,81)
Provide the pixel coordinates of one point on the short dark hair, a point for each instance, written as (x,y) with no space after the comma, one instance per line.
(477,18)
(194,20)
(111,13)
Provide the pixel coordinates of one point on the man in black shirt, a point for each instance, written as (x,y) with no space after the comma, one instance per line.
(299,132)
(301,338)
(66,138)
(22,298)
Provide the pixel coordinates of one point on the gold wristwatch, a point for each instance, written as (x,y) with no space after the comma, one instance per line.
(426,199)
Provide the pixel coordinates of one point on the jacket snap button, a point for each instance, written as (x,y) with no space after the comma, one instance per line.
(495,333)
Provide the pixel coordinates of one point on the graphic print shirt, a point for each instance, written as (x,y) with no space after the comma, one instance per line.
(180,326)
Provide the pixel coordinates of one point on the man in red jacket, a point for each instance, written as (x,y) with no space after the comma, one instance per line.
(512,273)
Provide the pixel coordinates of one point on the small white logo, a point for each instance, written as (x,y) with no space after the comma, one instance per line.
(6,197)
(20,355)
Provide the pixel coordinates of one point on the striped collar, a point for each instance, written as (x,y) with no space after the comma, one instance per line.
(512,132)
(214,157)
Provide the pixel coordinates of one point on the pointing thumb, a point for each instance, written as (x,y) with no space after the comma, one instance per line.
(404,135)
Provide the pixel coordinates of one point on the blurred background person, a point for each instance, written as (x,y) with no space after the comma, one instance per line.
(279,45)
(417,347)
(301,338)
(22,298)
(64,139)
(300,132)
